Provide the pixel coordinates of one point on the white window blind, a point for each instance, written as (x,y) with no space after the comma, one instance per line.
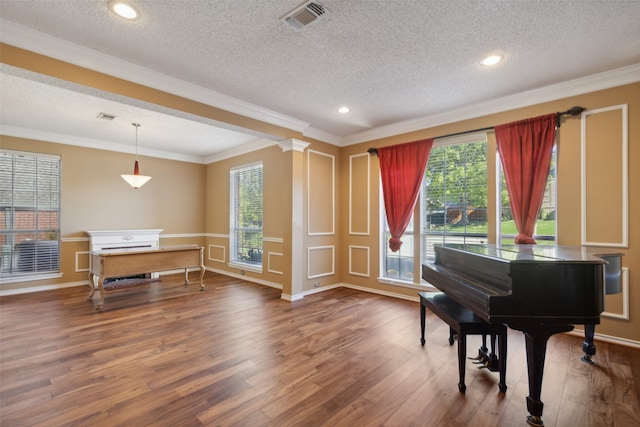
(454,196)
(452,208)
(29,213)
(246,209)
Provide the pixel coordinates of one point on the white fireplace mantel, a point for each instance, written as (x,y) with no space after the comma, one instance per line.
(115,239)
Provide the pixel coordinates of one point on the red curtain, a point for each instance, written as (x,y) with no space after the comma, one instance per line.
(525,149)
(402,170)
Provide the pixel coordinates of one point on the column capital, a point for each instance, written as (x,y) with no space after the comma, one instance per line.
(293,145)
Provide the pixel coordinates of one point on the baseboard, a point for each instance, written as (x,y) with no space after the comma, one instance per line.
(381,292)
(44,288)
(245,278)
(608,338)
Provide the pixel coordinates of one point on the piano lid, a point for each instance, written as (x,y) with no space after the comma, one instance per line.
(530,253)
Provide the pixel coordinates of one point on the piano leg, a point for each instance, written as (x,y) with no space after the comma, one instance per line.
(588,347)
(492,359)
(423,312)
(536,337)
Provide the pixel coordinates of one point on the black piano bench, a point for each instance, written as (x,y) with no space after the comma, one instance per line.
(464,322)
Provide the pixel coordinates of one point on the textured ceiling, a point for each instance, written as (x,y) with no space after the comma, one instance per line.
(391,61)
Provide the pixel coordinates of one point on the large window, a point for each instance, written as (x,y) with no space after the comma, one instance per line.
(398,265)
(546,230)
(246,216)
(29,215)
(452,207)
(454,196)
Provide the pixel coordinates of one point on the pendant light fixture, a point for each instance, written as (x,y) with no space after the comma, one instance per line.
(136,180)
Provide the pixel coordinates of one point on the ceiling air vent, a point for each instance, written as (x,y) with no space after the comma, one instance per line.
(304,15)
(106,116)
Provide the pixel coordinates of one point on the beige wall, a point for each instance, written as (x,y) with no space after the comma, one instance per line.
(345,181)
(95,197)
(316,172)
(276,166)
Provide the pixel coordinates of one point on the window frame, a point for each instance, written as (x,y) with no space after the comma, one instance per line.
(254,261)
(417,219)
(9,231)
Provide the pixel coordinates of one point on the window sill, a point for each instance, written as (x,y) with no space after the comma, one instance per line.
(245,267)
(29,277)
(406,284)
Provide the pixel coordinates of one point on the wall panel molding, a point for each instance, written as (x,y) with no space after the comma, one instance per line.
(269,268)
(218,248)
(321,261)
(321,193)
(87,261)
(353,266)
(359,195)
(625,298)
(604,177)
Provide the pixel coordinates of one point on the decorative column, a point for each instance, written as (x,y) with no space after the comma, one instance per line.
(295,242)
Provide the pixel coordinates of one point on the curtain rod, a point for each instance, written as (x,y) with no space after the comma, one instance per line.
(573,111)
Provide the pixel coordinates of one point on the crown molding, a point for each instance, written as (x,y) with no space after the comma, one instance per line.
(243,149)
(98,144)
(593,83)
(26,38)
(321,135)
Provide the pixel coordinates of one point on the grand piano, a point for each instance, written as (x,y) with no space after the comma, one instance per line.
(539,290)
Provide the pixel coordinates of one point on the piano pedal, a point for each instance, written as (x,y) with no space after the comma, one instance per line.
(481,356)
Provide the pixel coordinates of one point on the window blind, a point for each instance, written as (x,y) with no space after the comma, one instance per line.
(246,214)
(454,197)
(29,213)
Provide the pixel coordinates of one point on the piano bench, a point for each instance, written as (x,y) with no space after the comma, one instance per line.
(464,322)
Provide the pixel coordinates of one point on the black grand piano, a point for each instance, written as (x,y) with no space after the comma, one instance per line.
(539,290)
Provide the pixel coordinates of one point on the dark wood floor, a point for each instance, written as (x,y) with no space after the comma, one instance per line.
(236,354)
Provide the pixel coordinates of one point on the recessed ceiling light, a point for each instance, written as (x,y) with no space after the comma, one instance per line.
(491,60)
(124,10)
(344,109)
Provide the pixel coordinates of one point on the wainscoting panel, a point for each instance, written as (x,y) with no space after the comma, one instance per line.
(359,193)
(605,177)
(83,261)
(359,260)
(321,261)
(217,253)
(321,193)
(617,305)
(275,262)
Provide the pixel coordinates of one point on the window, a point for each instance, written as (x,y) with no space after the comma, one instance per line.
(454,196)
(452,207)
(545,231)
(246,216)
(29,215)
(398,265)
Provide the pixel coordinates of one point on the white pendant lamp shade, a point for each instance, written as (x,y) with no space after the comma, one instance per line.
(136,180)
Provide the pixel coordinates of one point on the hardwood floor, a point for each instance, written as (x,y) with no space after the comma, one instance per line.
(236,354)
